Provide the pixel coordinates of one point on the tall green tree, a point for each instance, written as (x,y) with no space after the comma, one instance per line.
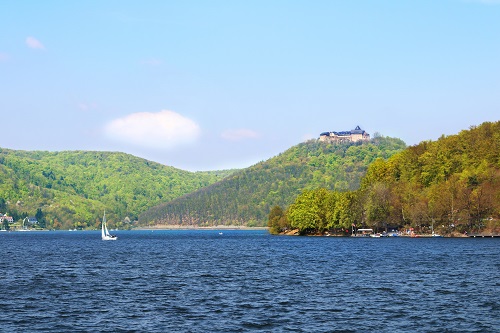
(278,221)
(40,217)
(348,209)
(379,205)
(5,224)
(309,212)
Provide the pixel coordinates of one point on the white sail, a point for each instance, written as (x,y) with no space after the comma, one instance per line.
(104,230)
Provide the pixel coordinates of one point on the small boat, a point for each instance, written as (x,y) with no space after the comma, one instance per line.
(104,230)
(363,233)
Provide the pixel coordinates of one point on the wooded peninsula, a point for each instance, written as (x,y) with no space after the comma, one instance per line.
(451,185)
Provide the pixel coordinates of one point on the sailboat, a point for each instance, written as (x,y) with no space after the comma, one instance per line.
(104,230)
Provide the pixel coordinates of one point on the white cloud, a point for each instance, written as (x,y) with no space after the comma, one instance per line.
(34,43)
(239,134)
(160,130)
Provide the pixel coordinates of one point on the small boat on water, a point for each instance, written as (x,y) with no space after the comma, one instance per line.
(363,233)
(104,230)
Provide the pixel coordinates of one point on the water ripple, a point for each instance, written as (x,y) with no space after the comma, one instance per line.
(198,281)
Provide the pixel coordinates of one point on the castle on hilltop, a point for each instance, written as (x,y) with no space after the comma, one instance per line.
(354,135)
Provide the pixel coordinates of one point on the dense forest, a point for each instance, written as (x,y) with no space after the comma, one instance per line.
(72,189)
(451,185)
(246,197)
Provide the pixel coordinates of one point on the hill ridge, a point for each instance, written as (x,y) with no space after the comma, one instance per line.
(72,188)
(245,197)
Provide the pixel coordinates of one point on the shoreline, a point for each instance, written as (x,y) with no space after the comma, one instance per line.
(184,227)
(295,232)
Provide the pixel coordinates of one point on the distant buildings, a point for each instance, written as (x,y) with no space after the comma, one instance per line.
(354,135)
(27,222)
(32,220)
(5,217)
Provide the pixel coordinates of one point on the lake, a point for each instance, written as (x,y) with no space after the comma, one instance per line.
(246,281)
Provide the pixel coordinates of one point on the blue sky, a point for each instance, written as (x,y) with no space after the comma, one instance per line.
(204,85)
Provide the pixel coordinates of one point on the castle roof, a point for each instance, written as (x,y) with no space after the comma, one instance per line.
(357,130)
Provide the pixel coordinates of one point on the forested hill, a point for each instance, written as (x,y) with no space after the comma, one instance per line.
(245,197)
(73,188)
(453,182)
(450,186)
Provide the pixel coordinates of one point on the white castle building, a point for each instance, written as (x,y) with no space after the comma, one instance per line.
(354,135)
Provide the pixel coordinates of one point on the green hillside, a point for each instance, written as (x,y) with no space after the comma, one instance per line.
(245,198)
(450,186)
(72,188)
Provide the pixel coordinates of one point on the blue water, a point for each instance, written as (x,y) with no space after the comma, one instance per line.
(245,281)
